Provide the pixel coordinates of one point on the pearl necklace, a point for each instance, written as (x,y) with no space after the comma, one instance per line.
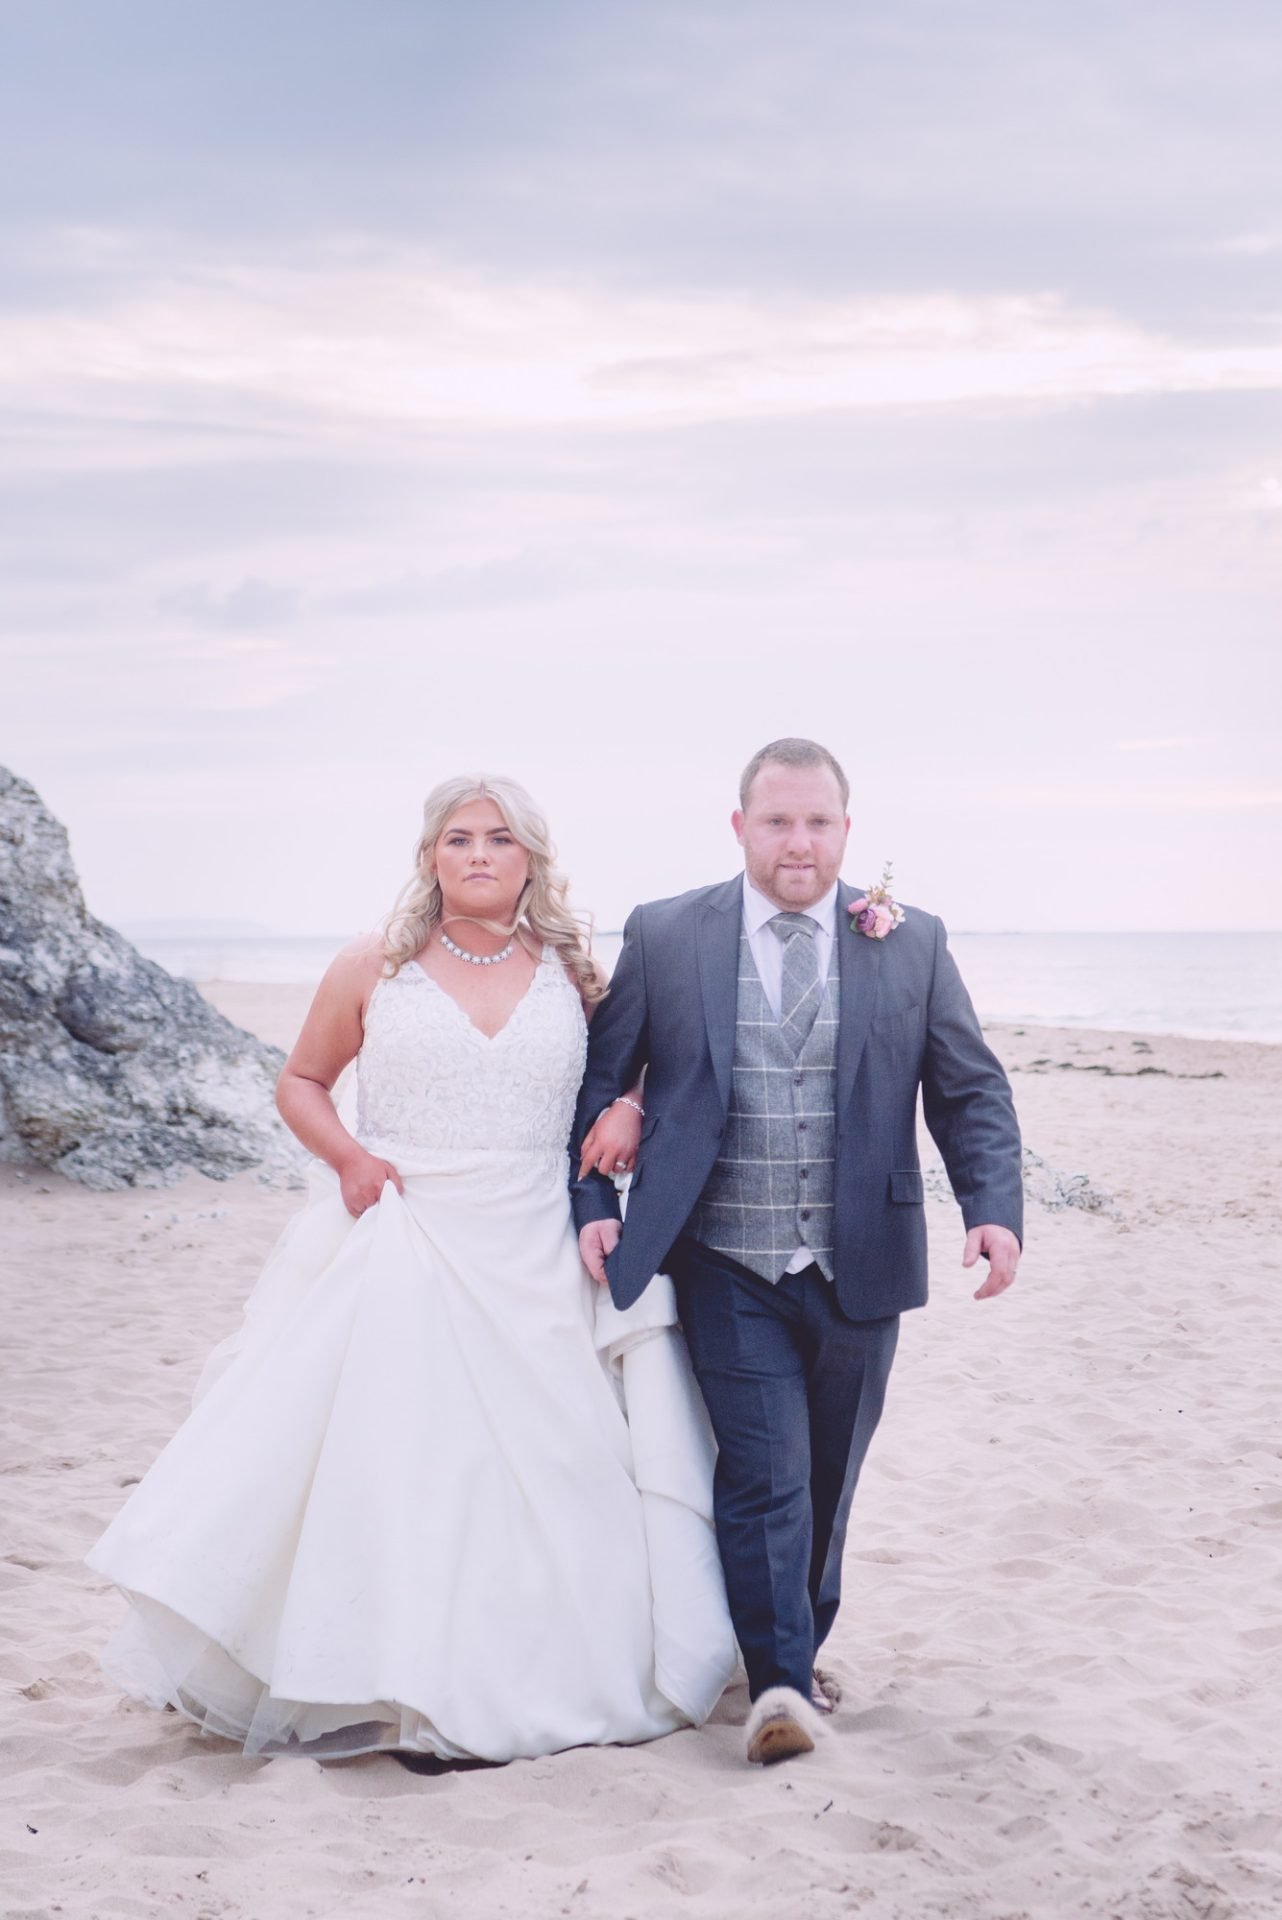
(477,959)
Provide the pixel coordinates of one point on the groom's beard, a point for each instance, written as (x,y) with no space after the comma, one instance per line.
(794,885)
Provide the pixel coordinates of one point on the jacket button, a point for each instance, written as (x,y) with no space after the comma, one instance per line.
(805,1213)
(804,1172)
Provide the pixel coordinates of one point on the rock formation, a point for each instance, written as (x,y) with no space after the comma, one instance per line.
(1043,1184)
(111,1070)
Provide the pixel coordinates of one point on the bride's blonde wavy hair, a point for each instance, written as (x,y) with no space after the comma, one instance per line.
(543,905)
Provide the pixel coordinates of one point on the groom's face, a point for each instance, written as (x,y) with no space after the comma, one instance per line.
(793,833)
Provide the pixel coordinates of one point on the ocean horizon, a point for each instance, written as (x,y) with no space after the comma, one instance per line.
(1216,986)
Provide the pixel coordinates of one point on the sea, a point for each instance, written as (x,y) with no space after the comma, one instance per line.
(1218,986)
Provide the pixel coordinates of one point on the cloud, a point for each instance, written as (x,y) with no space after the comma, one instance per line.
(1254,245)
(247,607)
(1164,744)
(686,143)
(349,352)
(516,579)
(1121,803)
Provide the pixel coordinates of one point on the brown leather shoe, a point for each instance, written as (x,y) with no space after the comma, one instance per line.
(781,1725)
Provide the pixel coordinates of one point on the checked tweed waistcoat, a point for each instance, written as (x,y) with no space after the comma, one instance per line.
(771,1189)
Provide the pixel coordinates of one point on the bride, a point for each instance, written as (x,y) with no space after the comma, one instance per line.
(437,1495)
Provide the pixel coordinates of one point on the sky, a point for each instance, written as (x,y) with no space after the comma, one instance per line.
(594,392)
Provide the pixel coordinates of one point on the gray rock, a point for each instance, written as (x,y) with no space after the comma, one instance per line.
(1055,1190)
(1043,1184)
(111,1070)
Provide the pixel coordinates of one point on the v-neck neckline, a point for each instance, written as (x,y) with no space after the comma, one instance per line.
(461,1010)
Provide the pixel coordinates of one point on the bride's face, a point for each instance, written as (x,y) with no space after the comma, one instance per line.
(480,863)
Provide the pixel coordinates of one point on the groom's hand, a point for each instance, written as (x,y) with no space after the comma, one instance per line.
(596,1240)
(1002,1250)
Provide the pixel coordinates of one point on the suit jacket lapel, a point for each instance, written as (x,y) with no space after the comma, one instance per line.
(717,929)
(859,960)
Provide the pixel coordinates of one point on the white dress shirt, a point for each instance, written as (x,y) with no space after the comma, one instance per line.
(767,947)
(767,955)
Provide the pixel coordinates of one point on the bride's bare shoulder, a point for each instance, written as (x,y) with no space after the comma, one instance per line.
(365,946)
(357,967)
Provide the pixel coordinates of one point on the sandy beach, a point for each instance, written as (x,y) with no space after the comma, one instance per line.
(1061,1640)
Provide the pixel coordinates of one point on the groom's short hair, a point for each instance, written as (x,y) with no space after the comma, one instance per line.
(793,753)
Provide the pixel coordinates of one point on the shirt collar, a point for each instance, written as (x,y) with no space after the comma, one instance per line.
(757,909)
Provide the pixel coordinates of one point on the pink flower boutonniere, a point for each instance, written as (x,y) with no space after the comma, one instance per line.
(874,913)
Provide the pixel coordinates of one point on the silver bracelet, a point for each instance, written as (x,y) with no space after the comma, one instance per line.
(626,1100)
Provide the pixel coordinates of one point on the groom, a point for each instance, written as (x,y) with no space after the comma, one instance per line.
(777,1181)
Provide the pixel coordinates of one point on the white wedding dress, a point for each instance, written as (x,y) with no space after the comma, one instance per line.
(436,1494)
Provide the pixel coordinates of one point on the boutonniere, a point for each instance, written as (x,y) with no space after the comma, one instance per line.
(874,913)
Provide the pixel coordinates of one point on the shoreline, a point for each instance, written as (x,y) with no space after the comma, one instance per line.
(272,1008)
(1213,986)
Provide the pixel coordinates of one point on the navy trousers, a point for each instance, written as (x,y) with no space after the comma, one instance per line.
(794,1391)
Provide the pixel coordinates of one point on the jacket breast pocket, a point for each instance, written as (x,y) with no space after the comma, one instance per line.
(907,1189)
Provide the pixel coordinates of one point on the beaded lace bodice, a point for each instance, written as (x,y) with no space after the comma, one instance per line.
(427,1078)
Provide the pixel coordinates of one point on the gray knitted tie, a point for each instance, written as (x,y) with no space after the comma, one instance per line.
(802,993)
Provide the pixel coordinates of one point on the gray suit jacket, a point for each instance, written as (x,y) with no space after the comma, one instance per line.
(906,1022)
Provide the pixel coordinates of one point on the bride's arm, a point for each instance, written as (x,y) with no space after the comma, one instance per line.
(610,1145)
(330,1040)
